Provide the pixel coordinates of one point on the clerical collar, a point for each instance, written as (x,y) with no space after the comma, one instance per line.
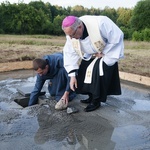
(85,33)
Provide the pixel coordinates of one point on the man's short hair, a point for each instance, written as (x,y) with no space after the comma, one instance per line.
(39,63)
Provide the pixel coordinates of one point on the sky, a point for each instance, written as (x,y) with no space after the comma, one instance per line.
(86,3)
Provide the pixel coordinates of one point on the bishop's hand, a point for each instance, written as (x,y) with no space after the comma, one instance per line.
(73,83)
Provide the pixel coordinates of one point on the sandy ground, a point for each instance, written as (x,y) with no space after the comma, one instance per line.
(122,123)
(18,51)
(10,66)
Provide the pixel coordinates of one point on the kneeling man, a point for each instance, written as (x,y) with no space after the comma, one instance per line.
(51,68)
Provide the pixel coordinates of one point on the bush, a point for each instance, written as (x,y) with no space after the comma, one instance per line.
(146,34)
(135,36)
(1,31)
(143,35)
(127,33)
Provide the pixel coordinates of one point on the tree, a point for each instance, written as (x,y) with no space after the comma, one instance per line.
(54,11)
(141,16)
(124,16)
(7,15)
(110,12)
(29,20)
(57,25)
(44,7)
(78,10)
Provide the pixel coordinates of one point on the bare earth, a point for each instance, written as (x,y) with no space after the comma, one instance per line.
(17,52)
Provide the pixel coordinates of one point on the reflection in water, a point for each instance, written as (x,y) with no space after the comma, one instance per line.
(53,130)
(73,132)
(130,136)
(142,105)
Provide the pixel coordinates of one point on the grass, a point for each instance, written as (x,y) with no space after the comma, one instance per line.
(137,58)
(137,45)
(31,40)
(27,47)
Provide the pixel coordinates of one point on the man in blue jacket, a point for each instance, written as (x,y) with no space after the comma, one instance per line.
(51,68)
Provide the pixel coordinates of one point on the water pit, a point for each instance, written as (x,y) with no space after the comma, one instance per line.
(25,91)
(22,101)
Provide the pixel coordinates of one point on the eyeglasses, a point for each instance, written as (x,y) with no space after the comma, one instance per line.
(73,35)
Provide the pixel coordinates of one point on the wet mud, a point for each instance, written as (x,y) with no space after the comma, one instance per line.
(122,123)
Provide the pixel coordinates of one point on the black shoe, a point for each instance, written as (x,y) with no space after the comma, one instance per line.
(92,106)
(86,101)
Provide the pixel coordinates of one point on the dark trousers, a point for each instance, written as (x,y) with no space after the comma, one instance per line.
(101,86)
(58,85)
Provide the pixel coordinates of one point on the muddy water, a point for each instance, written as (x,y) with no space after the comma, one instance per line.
(122,123)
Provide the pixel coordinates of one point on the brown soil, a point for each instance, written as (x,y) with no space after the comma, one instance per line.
(17,52)
(15,66)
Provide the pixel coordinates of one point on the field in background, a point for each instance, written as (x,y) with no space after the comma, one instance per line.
(18,51)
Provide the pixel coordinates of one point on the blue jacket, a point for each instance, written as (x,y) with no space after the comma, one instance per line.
(55,62)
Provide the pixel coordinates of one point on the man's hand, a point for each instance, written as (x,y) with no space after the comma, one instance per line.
(65,97)
(99,55)
(73,83)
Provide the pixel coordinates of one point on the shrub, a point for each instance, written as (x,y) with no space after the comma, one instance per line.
(143,35)
(146,34)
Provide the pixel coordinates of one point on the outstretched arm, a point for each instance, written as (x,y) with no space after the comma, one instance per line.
(36,91)
(65,97)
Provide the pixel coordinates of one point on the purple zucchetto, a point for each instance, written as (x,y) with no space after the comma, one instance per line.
(68,21)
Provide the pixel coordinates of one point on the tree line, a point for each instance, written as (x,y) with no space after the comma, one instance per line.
(38,17)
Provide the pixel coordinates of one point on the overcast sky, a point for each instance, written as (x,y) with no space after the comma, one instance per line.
(86,3)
